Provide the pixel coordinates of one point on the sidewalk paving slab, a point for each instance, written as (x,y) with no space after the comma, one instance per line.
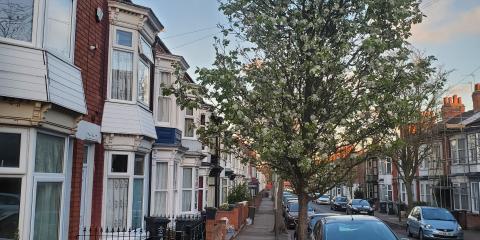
(262,227)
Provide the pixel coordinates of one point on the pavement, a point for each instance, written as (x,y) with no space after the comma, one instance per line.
(262,227)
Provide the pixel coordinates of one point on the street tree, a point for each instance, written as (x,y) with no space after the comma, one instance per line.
(308,85)
(416,121)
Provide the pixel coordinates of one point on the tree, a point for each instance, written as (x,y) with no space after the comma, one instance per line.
(411,139)
(312,91)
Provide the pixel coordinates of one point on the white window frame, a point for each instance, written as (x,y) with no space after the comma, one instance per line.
(149,67)
(20,173)
(155,190)
(115,46)
(37,24)
(130,175)
(158,94)
(191,189)
(73,18)
(86,200)
(63,177)
(192,117)
(454,151)
(475,198)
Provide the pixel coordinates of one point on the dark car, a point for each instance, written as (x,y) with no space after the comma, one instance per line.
(339,203)
(352,227)
(312,220)
(291,213)
(359,206)
(433,223)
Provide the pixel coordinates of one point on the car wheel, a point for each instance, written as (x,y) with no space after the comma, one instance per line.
(408,232)
(420,234)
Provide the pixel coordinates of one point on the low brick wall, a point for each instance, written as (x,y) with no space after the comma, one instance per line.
(473,221)
(236,217)
(216,229)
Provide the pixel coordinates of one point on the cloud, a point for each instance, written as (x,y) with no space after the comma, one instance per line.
(443,23)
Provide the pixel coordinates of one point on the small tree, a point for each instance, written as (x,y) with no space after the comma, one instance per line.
(410,141)
(313,91)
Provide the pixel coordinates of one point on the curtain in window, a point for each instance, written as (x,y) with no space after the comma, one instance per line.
(163,109)
(165,78)
(189,127)
(475,196)
(187,178)
(162,176)
(117,203)
(47,210)
(160,203)
(186,200)
(122,75)
(49,153)
(461,150)
(464,195)
(137,208)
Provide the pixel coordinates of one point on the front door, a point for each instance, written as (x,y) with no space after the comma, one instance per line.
(87,180)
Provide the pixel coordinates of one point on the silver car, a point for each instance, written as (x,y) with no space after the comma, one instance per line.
(433,223)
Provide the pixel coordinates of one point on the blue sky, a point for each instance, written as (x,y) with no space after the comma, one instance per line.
(451,32)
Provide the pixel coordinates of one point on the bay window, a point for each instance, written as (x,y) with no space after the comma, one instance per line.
(143,83)
(17,23)
(49,185)
(224,190)
(475,189)
(189,123)
(187,189)
(164,102)
(472,148)
(460,196)
(161,183)
(122,75)
(58,27)
(125,182)
(454,151)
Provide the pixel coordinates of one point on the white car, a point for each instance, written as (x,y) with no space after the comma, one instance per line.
(324,199)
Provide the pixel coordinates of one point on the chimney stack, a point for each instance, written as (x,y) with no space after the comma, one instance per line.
(453,106)
(476,98)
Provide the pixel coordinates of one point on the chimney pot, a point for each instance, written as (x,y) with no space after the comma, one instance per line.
(476,98)
(460,100)
(455,99)
(450,100)
(477,87)
(445,101)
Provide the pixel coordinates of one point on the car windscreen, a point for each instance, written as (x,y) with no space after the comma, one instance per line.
(324,196)
(293,207)
(437,214)
(360,202)
(341,199)
(358,230)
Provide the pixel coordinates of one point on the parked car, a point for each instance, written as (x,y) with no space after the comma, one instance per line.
(434,223)
(359,206)
(311,221)
(292,211)
(339,203)
(324,199)
(352,227)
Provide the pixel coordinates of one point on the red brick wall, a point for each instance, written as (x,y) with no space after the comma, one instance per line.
(93,64)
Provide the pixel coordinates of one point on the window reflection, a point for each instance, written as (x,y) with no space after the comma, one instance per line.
(16,19)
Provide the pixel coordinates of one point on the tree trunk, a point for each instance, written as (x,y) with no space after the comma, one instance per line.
(302,216)
(408,188)
(279,226)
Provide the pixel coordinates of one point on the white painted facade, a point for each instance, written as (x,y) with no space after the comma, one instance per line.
(127,124)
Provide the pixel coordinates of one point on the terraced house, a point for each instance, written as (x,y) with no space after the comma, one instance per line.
(87,138)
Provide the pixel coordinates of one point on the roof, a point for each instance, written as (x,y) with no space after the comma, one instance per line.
(461,118)
(151,14)
(349,218)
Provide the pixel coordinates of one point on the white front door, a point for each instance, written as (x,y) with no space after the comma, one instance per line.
(87,181)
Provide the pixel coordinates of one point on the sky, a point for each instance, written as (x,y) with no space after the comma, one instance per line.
(450,32)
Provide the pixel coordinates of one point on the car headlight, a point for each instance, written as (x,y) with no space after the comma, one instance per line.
(428,226)
(459,228)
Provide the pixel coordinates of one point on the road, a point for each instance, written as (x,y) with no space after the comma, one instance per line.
(326,209)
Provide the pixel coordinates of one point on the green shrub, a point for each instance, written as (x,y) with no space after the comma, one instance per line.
(239,193)
(225,207)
